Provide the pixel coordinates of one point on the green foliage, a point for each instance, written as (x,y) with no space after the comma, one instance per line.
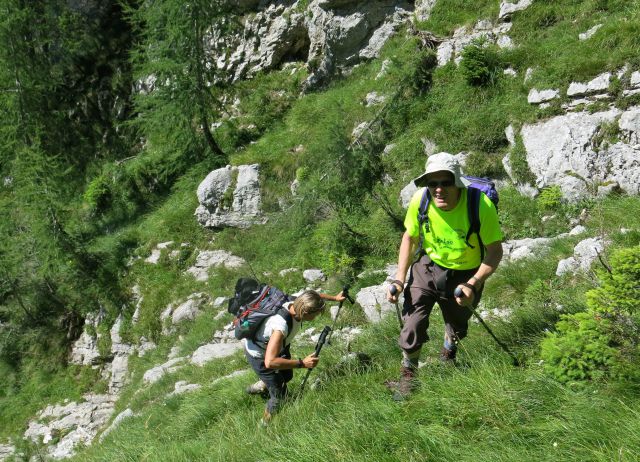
(448,15)
(550,198)
(518,162)
(619,292)
(604,341)
(580,349)
(481,64)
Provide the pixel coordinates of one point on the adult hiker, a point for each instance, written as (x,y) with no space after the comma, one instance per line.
(268,351)
(449,257)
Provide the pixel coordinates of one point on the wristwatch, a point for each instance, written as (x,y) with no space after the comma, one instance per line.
(300,364)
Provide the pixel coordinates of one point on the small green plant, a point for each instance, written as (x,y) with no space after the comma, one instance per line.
(550,198)
(604,341)
(226,201)
(519,166)
(608,133)
(580,349)
(619,292)
(481,64)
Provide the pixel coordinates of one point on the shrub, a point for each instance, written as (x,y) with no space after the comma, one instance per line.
(481,64)
(619,293)
(604,341)
(580,348)
(550,198)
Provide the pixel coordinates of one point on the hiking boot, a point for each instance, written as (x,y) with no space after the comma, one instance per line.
(258,388)
(405,386)
(447,356)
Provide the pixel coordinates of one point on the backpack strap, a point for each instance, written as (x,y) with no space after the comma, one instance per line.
(473,212)
(284,312)
(423,219)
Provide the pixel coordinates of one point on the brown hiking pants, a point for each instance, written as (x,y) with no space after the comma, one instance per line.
(430,283)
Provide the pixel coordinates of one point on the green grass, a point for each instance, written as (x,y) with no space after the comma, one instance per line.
(485,410)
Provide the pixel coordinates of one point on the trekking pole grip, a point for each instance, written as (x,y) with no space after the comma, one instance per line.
(345,292)
(322,340)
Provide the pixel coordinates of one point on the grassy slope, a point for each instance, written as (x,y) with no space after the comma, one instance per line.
(485,410)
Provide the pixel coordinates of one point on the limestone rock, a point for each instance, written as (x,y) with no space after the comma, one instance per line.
(182,386)
(230,197)
(407,193)
(78,422)
(590,33)
(6,451)
(584,253)
(629,124)
(508,8)
(423,9)
(127,413)
(561,151)
(599,84)
(537,97)
(156,373)
(212,351)
(314,275)
(373,301)
(374,99)
(156,252)
(190,308)
(212,258)
(452,48)
(85,349)
(328,35)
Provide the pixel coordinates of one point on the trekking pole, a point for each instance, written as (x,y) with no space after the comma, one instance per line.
(458,293)
(345,292)
(321,341)
(393,290)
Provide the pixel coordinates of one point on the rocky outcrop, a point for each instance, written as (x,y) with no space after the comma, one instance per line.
(567,151)
(212,351)
(212,258)
(507,9)
(484,30)
(6,451)
(85,350)
(73,424)
(328,35)
(230,197)
(187,310)
(584,254)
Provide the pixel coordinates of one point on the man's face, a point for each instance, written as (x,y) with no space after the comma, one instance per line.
(444,192)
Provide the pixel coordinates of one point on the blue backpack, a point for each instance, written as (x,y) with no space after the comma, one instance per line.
(477,187)
(253,303)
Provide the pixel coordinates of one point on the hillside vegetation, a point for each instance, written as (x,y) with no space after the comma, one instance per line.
(96,175)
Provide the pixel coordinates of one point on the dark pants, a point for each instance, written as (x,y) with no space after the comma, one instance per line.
(276,380)
(428,284)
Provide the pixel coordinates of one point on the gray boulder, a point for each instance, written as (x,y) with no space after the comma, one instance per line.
(213,258)
(584,253)
(85,350)
(508,8)
(156,373)
(230,197)
(452,48)
(78,422)
(598,84)
(373,301)
(212,351)
(562,151)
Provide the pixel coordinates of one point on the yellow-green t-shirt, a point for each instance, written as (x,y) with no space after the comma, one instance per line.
(445,242)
